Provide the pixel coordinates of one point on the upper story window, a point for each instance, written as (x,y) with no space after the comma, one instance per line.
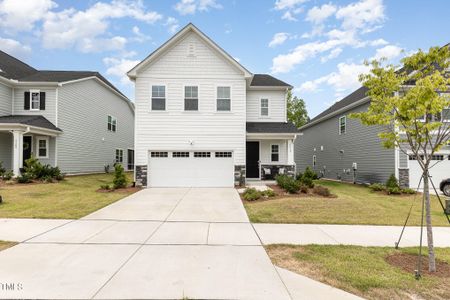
(158,97)
(275,152)
(112,124)
(264,107)
(223,98)
(342,125)
(34,100)
(42,147)
(191,98)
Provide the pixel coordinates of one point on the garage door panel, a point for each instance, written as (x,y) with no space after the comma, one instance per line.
(440,170)
(191,171)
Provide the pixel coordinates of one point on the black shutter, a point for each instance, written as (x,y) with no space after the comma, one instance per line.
(26,101)
(42,101)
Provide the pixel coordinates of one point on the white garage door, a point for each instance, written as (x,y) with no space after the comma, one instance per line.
(191,169)
(440,170)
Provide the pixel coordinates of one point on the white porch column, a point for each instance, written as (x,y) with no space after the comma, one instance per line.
(290,152)
(17,151)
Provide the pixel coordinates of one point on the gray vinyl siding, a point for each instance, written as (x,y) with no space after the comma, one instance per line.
(360,144)
(5,100)
(6,149)
(86,146)
(51,160)
(50,103)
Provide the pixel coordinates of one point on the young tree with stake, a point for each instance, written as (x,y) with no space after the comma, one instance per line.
(411,104)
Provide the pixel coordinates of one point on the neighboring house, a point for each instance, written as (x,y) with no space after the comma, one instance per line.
(202,119)
(75,120)
(339,147)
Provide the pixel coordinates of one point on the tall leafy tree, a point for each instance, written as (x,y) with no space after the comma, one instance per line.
(296,110)
(411,104)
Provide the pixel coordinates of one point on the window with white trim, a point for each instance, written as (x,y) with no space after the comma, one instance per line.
(264,107)
(180,154)
(224,154)
(35,100)
(158,97)
(202,154)
(119,156)
(191,98)
(42,147)
(159,154)
(112,124)
(342,125)
(223,98)
(274,152)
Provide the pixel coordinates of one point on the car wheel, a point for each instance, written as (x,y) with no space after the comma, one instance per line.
(446,189)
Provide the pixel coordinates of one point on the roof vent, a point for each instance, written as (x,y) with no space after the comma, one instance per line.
(191,50)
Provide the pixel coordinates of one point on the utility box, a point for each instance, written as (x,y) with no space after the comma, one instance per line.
(447,206)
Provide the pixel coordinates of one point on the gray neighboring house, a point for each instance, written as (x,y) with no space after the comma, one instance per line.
(339,147)
(75,120)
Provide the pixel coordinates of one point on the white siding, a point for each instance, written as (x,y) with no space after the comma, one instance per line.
(5,100)
(265,149)
(50,102)
(277,106)
(174,128)
(86,145)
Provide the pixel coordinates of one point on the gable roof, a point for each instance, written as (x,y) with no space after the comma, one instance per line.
(35,121)
(12,68)
(267,80)
(180,34)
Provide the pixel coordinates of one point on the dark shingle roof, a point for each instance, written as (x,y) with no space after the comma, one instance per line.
(12,68)
(271,127)
(267,80)
(353,97)
(37,121)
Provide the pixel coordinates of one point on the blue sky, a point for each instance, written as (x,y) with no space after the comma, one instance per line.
(317,46)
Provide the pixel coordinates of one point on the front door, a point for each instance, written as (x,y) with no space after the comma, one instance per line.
(27,142)
(252,160)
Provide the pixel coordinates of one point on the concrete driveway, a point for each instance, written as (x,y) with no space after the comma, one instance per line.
(155,244)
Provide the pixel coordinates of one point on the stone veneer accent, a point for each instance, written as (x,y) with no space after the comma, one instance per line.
(239,175)
(289,170)
(403,178)
(141,175)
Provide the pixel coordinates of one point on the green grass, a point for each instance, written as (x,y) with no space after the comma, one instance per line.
(4,245)
(72,198)
(355,204)
(361,270)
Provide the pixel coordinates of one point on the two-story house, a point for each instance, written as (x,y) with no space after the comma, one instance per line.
(75,120)
(339,147)
(203,120)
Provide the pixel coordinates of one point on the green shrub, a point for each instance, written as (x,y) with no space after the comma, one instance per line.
(307,181)
(288,183)
(7,175)
(322,191)
(376,187)
(298,176)
(24,178)
(309,173)
(408,191)
(393,191)
(281,180)
(392,182)
(251,194)
(120,179)
(268,193)
(36,170)
(105,187)
(303,189)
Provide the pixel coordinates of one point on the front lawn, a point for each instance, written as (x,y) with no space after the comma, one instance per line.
(354,204)
(365,271)
(4,245)
(72,198)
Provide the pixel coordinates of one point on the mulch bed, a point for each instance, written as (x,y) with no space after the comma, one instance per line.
(124,190)
(408,263)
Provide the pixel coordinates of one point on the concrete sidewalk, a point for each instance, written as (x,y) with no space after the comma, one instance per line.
(359,235)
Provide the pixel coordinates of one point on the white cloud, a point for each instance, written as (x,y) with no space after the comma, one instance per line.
(333,54)
(21,15)
(378,42)
(288,16)
(317,14)
(278,39)
(389,52)
(288,4)
(172,25)
(344,79)
(87,30)
(190,7)
(118,67)
(138,35)
(14,48)
(361,15)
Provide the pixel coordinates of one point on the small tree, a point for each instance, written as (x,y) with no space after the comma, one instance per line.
(120,178)
(296,110)
(408,103)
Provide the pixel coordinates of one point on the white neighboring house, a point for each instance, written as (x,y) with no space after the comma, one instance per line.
(203,120)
